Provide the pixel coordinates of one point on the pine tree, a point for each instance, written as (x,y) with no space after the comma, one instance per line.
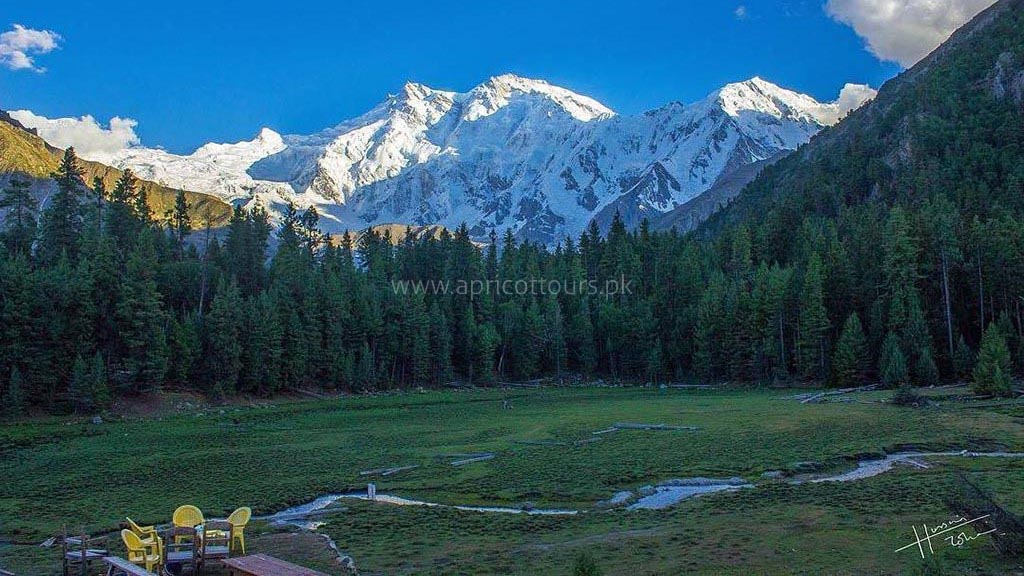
(462,341)
(555,347)
(100,385)
(440,346)
(19,225)
(918,343)
(246,248)
(99,191)
(184,349)
(262,349)
(366,369)
(141,318)
(850,360)
(417,340)
(295,349)
(223,335)
(963,359)
(142,210)
(926,373)
(62,218)
(527,348)
(80,388)
(944,219)
(992,373)
(181,223)
(707,353)
(892,365)
(900,268)
(580,340)
(814,322)
(14,396)
(122,219)
(484,344)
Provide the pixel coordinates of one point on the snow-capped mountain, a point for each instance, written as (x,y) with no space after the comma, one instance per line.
(511,153)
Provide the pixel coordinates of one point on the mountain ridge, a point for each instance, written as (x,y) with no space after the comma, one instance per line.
(509,154)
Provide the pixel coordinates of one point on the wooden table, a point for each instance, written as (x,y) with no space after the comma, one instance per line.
(263,565)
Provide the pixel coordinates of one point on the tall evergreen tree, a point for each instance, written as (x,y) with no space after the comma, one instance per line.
(440,346)
(80,388)
(19,226)
(900,267)
(580,339)
(814,324)
(223,335)
(417,338)
(850,361)
(101,394)
(963,360)
(181,223)
(123,221)
(992,373)
(14,395)
(184,349)
(141,318)
(892,364)
(62,218)
(485,342)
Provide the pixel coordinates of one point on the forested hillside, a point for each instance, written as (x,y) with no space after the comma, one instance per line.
(912,209)
(890,248)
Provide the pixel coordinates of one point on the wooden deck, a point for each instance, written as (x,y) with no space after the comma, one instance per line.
(263,565)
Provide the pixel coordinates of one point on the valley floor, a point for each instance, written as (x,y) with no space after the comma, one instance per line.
(59,471)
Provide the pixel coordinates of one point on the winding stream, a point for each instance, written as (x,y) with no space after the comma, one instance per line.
(874,467)
(301,515)
(657,497)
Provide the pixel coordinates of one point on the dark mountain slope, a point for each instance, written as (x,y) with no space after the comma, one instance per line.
(691,214)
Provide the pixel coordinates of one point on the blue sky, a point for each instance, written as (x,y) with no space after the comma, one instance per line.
(197,71)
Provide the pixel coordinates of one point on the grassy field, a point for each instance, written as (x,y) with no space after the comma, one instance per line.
(89,476)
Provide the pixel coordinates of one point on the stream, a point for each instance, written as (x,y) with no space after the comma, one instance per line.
(303,514)
(657,497)
(874,467)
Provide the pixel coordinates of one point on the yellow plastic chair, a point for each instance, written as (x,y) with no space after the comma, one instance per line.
(148,535)
(187,516)
(238,519)
(138,553)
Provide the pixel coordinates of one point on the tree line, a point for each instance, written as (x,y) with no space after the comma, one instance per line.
(100,298)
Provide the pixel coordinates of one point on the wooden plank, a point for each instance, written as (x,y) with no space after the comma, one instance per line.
(91,554)
(263,565)
(124,566)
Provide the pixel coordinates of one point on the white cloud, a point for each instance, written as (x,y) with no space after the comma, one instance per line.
(91,140)
(740,12)
(851,97)
(19,44)
(904,31)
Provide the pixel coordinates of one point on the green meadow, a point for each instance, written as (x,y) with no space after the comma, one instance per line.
(70,472)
